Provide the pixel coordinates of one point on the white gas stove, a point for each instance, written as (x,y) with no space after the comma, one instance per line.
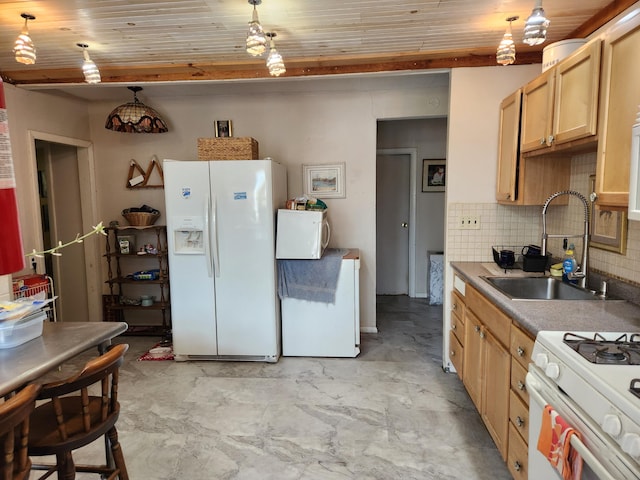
(593,381)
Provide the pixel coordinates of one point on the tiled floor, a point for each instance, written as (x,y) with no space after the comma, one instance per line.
(391,413)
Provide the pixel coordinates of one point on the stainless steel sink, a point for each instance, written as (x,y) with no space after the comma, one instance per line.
(540,288)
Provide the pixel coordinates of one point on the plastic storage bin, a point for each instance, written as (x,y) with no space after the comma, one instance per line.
(17,332)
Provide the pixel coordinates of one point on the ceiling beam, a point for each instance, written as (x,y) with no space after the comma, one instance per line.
(253,69)
(601,18)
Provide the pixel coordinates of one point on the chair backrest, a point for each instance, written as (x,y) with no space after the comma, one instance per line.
(103,370)
(14,433)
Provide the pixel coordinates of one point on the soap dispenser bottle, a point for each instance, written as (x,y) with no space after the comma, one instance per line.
(569,265)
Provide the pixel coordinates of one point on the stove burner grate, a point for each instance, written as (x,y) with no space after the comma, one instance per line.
(620,351)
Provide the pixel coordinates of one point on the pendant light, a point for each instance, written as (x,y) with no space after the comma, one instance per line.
(135,117)
(535,28)
(24,49)
(256,39)
(506,53)
(89,68)
(275,64)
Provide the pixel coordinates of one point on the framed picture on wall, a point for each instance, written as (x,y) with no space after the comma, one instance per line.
(223,128)
(324,181)
(434,175)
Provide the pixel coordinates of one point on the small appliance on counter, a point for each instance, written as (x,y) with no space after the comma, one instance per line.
(527,258)
(302,234)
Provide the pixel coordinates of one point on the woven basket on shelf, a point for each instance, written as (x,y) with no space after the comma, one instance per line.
(228,148)
(141,219)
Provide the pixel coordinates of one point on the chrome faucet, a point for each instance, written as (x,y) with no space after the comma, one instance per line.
(582,271)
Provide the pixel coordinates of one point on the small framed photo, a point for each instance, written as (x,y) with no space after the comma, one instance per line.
(324,181)
(434,175)
(223,128)
(608,228)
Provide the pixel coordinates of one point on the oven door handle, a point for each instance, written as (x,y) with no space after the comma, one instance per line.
(533,388)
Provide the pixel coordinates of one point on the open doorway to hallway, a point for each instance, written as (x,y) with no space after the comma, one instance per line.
(66,196)
(397,187)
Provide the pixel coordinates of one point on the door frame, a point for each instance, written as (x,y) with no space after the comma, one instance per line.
(89,212)
(413,155)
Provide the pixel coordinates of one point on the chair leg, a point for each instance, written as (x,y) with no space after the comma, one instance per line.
(118,456)
(66,466)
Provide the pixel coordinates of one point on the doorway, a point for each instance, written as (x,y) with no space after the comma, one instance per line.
(66,186)
(395,221)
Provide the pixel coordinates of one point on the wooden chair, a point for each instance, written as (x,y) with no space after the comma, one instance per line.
(72,418)
(14,433)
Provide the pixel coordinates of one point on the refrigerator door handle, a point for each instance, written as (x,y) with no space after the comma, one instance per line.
(214,237)
(207,243)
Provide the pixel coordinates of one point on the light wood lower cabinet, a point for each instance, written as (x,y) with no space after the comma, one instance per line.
(473,377)
(456,334)
(520,348)
(496,356)
(495,391)
(487,364)
(517,459)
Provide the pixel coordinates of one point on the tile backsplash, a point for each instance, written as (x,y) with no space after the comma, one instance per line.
(517,226)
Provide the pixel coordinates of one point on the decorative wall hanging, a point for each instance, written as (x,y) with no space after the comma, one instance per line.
(324,181)
(434,175)
(142,179)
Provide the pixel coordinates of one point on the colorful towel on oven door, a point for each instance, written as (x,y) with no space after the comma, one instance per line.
(554,442)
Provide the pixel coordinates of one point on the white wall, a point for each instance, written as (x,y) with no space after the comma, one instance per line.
(472,155)
(44,113)
(306,122)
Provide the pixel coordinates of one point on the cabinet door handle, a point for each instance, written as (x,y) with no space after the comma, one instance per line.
(520,352)
(453,326)
(521,385)
(542,141)
(517,466)
(482,335)
(476,328)
(551,139)
(454,306)
(519,421)
(452,354)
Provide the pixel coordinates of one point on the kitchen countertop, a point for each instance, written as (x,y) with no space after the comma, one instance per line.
(537,315)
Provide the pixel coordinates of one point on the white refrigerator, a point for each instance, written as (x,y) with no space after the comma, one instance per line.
(222,269)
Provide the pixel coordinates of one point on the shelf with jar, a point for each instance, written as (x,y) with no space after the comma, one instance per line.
(138,278)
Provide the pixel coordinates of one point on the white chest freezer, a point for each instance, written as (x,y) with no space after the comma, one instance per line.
(302,234)
(317,329)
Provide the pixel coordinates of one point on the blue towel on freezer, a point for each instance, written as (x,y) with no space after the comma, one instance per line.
(313,280)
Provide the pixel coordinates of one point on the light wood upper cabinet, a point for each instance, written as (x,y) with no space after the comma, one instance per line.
(619,101)
(537,111)
(577,85)
(561,105)
(509,147)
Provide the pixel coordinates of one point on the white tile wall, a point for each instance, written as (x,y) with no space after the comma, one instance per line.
(518,226)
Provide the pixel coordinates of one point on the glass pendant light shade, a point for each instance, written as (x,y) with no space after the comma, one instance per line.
(275,64)
(135,117)
(24,49)
(256,39)
(89,68)
(506,53)
(535,29)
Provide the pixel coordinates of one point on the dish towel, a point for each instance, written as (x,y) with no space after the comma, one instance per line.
(554,442)
(311,280)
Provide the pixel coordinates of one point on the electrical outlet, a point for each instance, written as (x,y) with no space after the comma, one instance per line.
(469,223)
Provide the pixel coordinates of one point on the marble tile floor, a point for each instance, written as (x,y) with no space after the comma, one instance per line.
(392,413)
